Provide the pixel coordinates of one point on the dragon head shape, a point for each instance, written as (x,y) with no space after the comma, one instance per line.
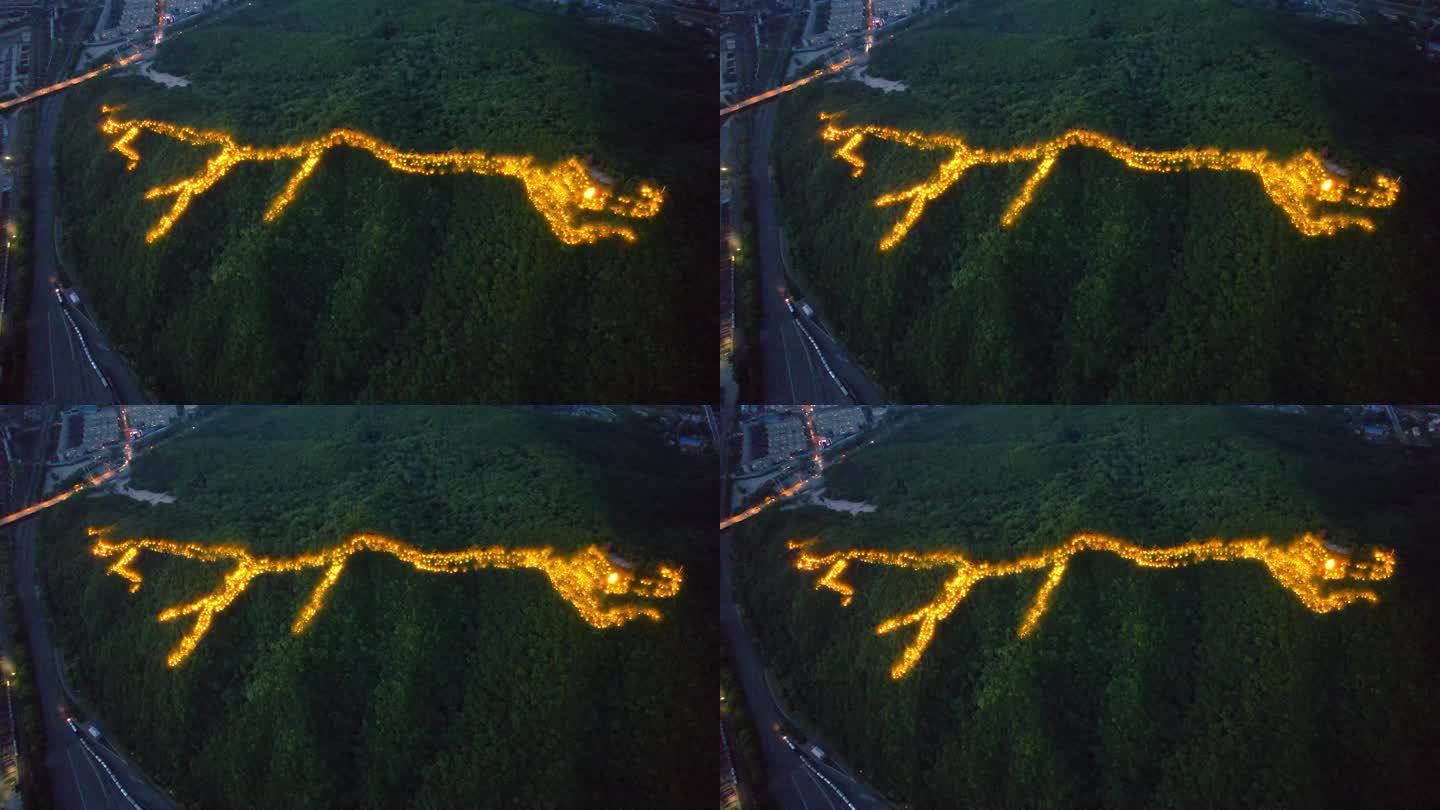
(1324,576)
(1303,184)
(597,582)
(564,191)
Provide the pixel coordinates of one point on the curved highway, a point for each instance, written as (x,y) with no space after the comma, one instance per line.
(77,780)
(795,778)
(803,363)
(68,361)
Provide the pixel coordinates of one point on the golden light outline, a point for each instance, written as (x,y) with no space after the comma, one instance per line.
(1297,186)
(1306,567)
(589,579)
(560,193)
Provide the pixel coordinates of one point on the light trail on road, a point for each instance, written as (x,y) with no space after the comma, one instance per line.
(588,579)
(160,22)
(808,414)
(103,69)
(869,25)
(1307,567)
(785,88)
(560,193)
(765,503)
(1297,186)
(72,81)
(128,455)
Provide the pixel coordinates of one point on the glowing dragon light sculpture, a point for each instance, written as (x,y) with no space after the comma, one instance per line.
(1307,567)
(1298,186)
(589,579)
(560,193)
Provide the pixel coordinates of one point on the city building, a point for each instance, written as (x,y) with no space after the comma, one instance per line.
(14,60)
(146,418)
(86,430)
(888,11)
(135,14)
(784,437)
(846,16)
(837,423)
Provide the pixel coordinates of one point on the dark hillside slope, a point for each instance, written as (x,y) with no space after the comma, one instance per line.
(383,286)
(1117,284)
(1197,687)
(409,689)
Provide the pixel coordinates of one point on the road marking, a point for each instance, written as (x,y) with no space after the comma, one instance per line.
(50,338)
(809,361)
(828,374)
(69,344)
(85,347)
(96,771)
(121,788)
(805,333)
(785,350)
(855,785)
(69,754)
(809,358)
(798,792)
(822,791)
(815,774)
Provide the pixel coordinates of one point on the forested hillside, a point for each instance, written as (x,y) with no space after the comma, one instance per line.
(410,689)
(1202,686)
(378,285)
(1116,284)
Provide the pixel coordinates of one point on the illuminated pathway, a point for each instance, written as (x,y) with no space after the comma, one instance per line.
(1305,567)
(560,192)
(585,579)
(1298,186)
(96,480)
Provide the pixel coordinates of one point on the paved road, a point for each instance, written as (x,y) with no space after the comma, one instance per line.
(792,785)
(78,783)
(18,751)
(57,370)
(795,369)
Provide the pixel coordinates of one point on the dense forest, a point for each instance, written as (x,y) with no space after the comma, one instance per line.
(1116,284)
(1204,686)
(382,286)
(410,689)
